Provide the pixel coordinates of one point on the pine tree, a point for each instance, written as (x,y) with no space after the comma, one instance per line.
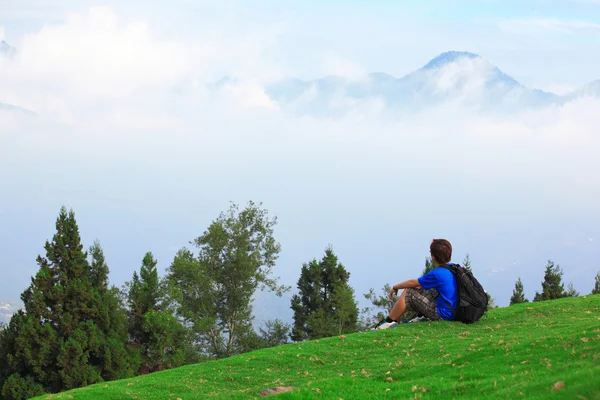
(325,305)
(571,292)
(596,289)
(467,263)
(429,266)
(99,269)
(518,295)
(162,340)
(118,361)
(552,286)
(142,297)
(68,334)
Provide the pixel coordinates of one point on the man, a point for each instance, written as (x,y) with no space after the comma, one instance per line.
(429,295)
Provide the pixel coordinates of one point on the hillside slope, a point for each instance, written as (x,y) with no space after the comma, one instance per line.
(522,351)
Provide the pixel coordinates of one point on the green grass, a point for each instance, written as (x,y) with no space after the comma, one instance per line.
(515,352)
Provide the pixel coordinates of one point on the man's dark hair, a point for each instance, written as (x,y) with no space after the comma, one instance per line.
(441,249)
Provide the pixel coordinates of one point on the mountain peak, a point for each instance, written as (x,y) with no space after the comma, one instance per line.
(6,48)
(449,57)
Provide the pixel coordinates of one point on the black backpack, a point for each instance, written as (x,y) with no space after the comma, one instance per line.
(472,298)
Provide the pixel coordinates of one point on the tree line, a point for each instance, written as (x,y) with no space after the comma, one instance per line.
(76,329)
(552,286)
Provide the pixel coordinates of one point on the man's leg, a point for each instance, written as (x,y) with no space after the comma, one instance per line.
(424,302)
(399,307)
(396,312)
(418,300)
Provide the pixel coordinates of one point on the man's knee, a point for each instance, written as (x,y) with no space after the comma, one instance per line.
(411,292)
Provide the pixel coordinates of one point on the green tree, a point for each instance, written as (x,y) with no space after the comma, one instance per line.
(118,360)
(596,289)
(162,340)
(552,286)
(142,297)
(98,269)
(429,266)
(467,263)
(276,333)
(71,332)
(213,291)
(325,305)
(491,302)
(518,295)
(571,292)
(167,342)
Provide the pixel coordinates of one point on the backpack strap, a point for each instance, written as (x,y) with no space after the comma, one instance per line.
(446,266)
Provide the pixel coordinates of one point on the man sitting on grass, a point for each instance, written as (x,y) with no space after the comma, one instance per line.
(430,295)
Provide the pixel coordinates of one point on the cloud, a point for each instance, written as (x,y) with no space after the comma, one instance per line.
(538,25)
(65,71)
(95,56)
(560,89)
(334,65)
(245,94)
(470,75)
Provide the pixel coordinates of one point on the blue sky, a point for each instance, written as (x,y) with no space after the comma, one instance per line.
(130,138)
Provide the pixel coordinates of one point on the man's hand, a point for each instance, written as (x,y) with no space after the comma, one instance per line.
(411,283)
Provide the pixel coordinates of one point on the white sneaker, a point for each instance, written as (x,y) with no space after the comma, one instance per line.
(386,325)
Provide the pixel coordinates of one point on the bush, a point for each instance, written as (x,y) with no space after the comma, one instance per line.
(18,388)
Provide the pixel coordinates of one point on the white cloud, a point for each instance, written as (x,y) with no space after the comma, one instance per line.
(537,25)
(338,66)
(245,94)
(560,89)
(468,74)
(94,54)
(65,71)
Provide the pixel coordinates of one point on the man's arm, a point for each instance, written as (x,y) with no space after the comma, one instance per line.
(411,283)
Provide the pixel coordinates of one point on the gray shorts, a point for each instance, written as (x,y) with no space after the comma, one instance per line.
(423,301)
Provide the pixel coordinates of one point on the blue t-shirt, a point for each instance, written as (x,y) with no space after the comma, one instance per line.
(445,283)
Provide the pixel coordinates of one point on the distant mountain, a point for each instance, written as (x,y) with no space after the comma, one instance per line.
(592,89)
(16,109)
(6,49)
(455,76)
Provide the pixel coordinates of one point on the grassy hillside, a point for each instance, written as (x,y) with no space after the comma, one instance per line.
(541,350)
